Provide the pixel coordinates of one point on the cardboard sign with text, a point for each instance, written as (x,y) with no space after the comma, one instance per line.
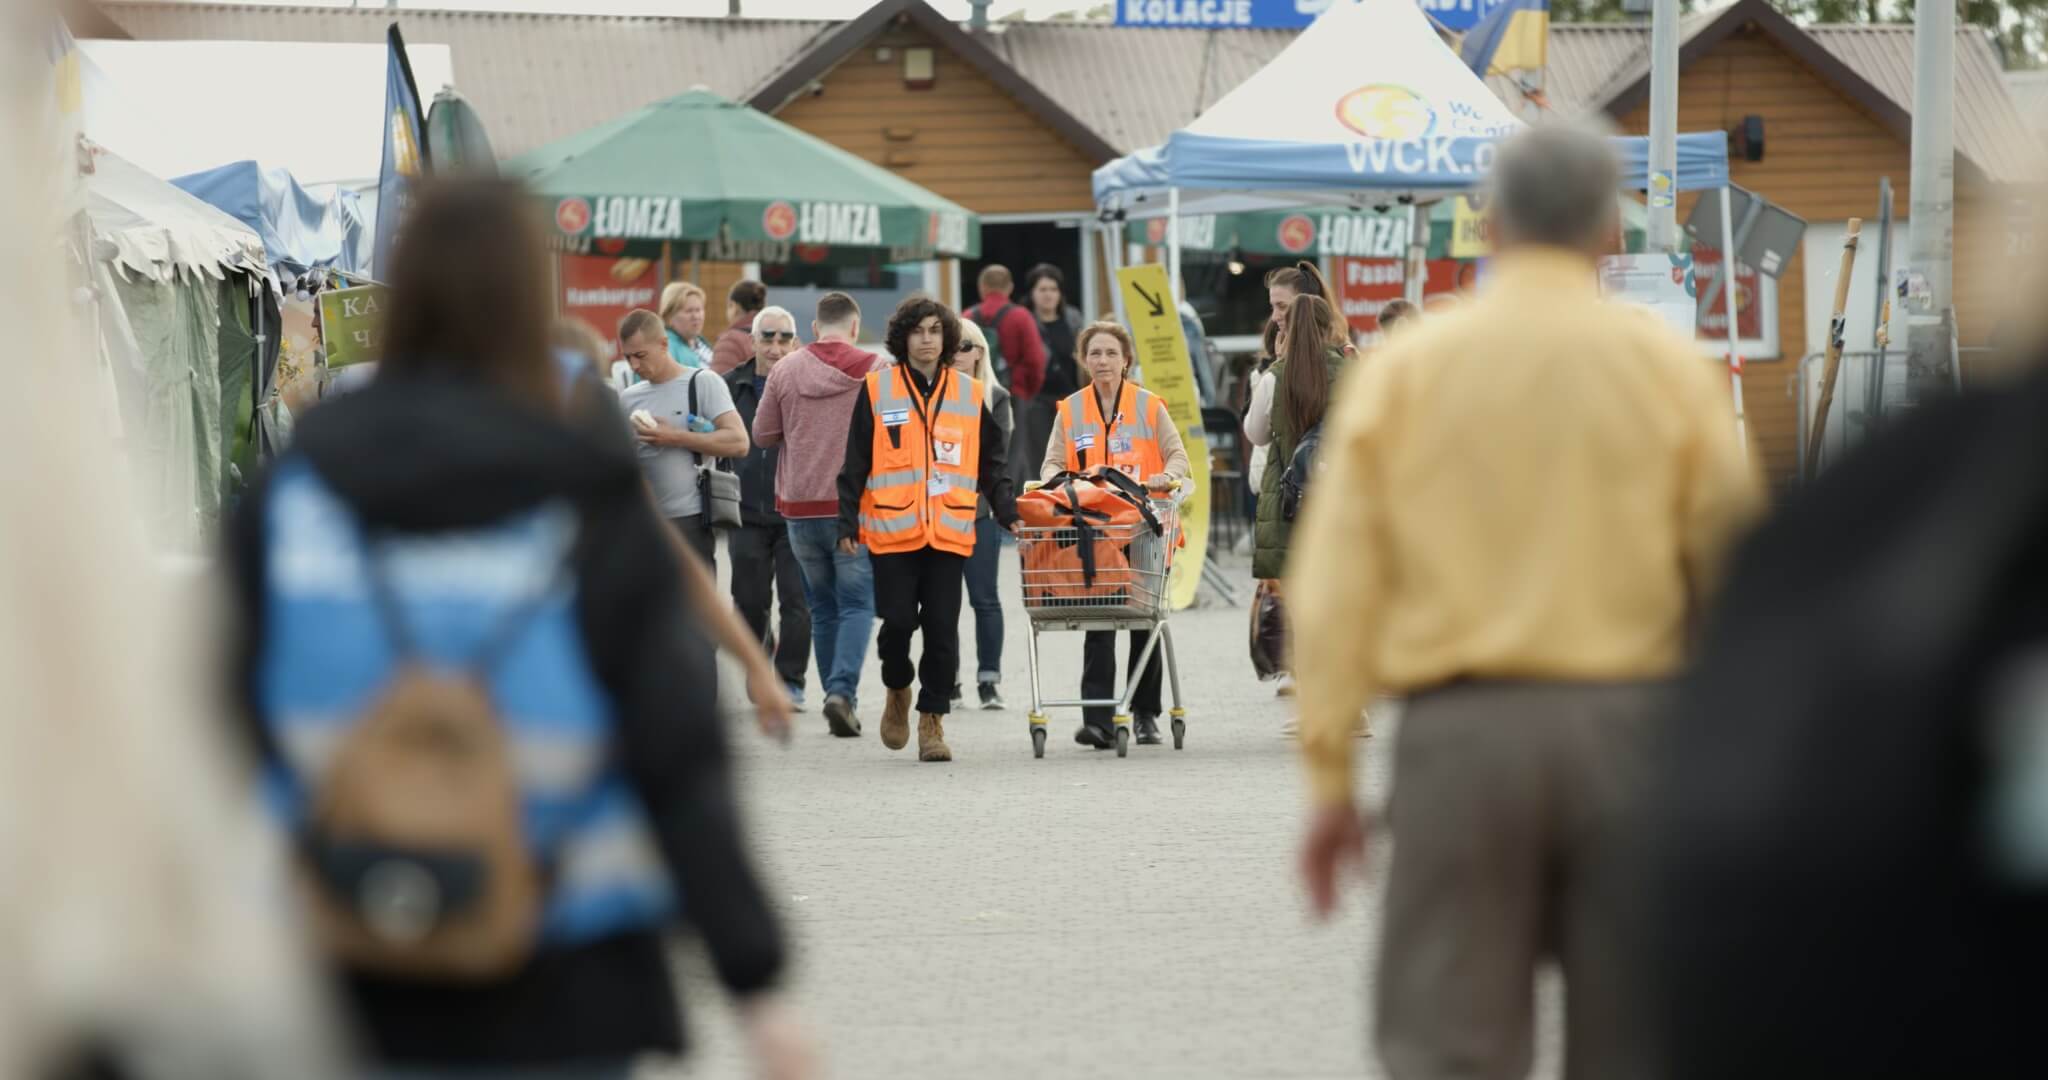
(352,324)
(1164,369)
(601,289)
(1365,285)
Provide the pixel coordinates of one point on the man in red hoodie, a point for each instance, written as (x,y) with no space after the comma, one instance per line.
(1019,357)
(807,407)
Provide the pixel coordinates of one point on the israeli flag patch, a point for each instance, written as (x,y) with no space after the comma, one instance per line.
(1084,442)
(893,417)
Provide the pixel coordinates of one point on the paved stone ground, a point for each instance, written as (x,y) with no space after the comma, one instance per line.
(1077,916)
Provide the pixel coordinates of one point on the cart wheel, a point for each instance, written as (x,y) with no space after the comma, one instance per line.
(1123,742)
(1180,731)
(1037,741)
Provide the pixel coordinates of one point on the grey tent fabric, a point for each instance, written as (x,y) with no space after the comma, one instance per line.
(171,401)
(162,262)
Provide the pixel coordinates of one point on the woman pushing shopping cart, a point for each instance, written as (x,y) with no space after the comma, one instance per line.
(1097,555)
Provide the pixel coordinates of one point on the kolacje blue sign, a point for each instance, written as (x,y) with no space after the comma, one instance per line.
(1458,15)
(1221,14)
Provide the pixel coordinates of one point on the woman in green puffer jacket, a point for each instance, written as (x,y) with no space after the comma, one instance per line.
(1303,380)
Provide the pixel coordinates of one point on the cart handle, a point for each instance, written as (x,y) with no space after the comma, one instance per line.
(1034,485)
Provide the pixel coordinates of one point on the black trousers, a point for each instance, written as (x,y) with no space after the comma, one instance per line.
(764,569)
(697,533)
(920,591)
(1098,675)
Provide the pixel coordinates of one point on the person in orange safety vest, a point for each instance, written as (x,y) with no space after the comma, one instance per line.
(920,454)
(1114,421)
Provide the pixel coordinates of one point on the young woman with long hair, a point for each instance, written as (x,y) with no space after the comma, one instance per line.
(1310,357)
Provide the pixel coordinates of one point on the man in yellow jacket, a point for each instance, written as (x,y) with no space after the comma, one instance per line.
(1519,507)
(920,453)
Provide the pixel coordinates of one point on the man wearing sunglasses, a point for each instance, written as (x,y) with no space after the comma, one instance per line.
(764,567)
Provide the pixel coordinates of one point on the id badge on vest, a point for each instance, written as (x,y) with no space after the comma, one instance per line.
(945,450)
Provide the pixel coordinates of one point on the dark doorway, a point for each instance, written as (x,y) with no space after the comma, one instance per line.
(1021,246)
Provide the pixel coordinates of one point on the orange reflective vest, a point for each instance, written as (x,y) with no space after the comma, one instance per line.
(1130,443)
(923,479)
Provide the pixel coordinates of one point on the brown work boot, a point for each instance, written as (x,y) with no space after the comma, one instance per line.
(896,719)
(931,738)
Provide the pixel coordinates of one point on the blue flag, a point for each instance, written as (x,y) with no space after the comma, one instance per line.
(405,150)
(1510,38)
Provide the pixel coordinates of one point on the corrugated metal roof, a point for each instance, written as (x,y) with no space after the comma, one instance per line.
(539,77)
(1988,128)
(1133,85)
(2029,93)
(534,78)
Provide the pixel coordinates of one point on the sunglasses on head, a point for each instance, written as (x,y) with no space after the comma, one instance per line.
(968,346)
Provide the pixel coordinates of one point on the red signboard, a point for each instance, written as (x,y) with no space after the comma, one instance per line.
(1749,309)
(600,289)
(1365,285)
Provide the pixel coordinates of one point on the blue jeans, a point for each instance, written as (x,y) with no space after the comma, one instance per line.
(983,598)
(840,589)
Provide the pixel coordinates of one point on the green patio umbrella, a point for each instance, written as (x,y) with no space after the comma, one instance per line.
(703,176)
(1310,232)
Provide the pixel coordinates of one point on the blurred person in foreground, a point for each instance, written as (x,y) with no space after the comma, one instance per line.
(921,452)
(806,408)
(1849,818)
(1115,422)
(1521,504)
(138,919)
(764,566)
(451,536)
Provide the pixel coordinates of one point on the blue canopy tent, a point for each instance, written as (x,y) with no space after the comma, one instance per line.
(1309,130)
(300,231)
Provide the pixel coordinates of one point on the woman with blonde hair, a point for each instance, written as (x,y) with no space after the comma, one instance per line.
(972,360)
(682,312)
(1114,422)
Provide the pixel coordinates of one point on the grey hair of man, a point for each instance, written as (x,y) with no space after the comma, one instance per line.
(1555,186)
(779,316)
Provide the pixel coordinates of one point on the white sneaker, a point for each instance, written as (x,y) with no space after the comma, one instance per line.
(1286,687)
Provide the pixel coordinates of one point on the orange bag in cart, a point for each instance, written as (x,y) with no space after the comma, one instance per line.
(1080,564)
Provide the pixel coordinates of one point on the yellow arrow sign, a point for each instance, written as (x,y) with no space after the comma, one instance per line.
(1164,369)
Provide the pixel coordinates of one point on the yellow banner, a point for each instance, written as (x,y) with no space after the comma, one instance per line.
(1164,369)
(1471,231)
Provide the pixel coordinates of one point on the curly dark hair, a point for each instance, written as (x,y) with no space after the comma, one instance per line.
(912,311)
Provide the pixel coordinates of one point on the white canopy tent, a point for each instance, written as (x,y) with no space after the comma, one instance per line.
(1368,108)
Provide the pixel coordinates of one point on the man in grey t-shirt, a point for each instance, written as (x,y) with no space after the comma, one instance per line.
(669,449)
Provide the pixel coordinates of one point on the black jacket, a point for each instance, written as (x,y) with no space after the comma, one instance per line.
(994,478)
(757,469)
(424,455)
(1829,895)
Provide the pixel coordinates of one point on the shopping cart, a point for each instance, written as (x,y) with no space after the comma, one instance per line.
(1103,577)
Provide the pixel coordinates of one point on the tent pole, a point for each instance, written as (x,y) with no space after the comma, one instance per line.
(666,265)
(1173,242)
(1728,298)
(1416,273)
(1112,257)
(696,260)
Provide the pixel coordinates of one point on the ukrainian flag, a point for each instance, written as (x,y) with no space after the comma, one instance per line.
(1514,37)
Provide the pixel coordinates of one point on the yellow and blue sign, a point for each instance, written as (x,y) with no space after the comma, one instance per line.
(1165,369)
(1514,36)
